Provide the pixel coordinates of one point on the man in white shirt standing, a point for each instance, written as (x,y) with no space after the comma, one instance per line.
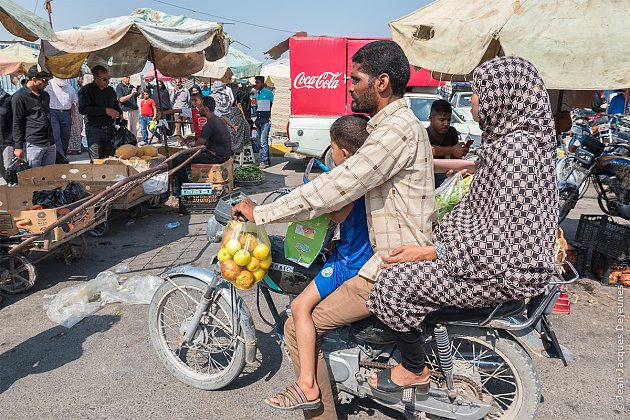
(63,100)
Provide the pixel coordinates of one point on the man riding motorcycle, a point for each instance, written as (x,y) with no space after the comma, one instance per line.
(393,169)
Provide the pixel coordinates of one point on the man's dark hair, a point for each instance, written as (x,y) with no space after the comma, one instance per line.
(441,107)
(349,132)
(387,57)
(33,71)
(260,79)
(96,70)
(208,102)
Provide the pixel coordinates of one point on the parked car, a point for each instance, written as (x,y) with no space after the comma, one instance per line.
(460,101)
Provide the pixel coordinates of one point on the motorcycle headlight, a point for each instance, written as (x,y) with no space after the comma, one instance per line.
(584,157)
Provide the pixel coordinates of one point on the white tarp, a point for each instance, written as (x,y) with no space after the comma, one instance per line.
(575,44)
(123,45)
(24,23)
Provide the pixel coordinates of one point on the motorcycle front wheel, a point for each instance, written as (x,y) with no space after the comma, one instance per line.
(496,368)
(215,357)
(567,198)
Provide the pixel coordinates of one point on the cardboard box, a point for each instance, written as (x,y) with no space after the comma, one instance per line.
(14,202)
(94,178)
(214,173)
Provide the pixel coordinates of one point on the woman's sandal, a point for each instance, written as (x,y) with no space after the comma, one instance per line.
(384,383)
(292,398)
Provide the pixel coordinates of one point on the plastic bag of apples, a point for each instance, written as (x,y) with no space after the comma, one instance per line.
(245,254)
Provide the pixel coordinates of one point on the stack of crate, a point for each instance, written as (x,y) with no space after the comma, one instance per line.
(209,183)
(609,243)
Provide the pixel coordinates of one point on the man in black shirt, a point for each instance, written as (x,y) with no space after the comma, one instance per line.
(214,135)
(444,139)
(127,95)
(98,102)
(6,131)
(31,120)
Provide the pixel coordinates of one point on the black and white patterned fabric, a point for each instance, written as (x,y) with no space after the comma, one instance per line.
(498,243)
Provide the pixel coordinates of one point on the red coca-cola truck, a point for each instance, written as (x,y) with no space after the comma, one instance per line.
(319,89)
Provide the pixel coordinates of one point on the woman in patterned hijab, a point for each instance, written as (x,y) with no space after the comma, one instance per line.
(241,131)
(497,244)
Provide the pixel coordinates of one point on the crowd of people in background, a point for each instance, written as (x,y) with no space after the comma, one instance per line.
(47,119)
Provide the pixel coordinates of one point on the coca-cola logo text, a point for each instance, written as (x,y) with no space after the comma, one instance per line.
(326,80)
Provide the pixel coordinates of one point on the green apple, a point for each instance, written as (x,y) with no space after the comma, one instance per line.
(232,246)
(223,255)
(242,257)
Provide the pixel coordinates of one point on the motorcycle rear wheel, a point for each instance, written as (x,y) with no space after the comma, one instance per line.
(500,366)
(216,357)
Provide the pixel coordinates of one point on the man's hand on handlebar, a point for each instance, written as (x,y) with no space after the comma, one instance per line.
(244,209)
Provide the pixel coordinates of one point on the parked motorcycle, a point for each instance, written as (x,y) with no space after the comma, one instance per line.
(607,166)
(480,358)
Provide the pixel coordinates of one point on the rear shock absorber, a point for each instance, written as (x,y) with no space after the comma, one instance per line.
(445,356)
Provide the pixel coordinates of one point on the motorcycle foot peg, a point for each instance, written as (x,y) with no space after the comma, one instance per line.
(408,394)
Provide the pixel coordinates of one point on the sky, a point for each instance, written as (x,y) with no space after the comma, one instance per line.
(367,18)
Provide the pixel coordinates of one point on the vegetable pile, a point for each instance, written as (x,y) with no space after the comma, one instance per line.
(248,173)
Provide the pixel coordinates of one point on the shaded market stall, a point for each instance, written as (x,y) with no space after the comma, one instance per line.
(17,58)
(451,38)
(176,45)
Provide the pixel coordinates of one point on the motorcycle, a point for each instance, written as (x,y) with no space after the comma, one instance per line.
(607,166)
(480,362)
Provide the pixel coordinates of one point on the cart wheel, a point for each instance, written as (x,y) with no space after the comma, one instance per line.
(154,202)
(99,230)
(17,274)
(134,212)
(71,250)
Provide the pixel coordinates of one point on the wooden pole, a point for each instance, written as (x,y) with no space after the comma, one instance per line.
(48,7)
(159,96)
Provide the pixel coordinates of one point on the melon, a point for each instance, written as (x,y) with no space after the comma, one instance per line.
(126,151)
(139,152)
(149,150)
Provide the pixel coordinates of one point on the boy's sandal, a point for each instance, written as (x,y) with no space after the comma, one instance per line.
(291,399)
(384,383)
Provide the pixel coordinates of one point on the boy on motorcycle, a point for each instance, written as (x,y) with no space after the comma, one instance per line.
(352,251)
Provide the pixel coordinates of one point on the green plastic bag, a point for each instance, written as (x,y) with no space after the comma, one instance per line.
(450,192)
(305,240)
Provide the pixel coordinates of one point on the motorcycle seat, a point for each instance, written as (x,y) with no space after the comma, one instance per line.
(454,314)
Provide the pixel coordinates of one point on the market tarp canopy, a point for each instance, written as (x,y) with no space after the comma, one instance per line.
(240,64)
(17,58)
(123,45)
(574,44)
(279,69)
(24,23)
